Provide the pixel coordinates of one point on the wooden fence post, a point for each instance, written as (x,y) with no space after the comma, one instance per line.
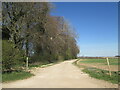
(108,66)
(27,63)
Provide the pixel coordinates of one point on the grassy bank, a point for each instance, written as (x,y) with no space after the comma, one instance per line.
(103,74)
(99,73)
(13,76)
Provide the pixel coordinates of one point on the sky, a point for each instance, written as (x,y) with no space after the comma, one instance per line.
(96,24)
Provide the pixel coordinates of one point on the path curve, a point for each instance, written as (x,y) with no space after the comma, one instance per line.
(62,75)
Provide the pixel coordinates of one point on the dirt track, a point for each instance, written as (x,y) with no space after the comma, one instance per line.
(62,75)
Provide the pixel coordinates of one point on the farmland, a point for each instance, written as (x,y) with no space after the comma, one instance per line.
(98,68)
(100,63)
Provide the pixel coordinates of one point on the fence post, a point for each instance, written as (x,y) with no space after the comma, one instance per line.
(27,63)
(108,66)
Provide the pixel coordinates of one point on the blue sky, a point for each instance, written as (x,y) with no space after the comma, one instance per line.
(96,24)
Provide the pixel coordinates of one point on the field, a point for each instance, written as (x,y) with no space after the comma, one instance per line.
(113,61)
(99,69)
(100,63)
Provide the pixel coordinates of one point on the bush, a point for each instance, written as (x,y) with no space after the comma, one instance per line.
(12,57)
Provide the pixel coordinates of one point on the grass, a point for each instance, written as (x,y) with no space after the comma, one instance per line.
(32,66)
(7,77)
(99,73)
(103,74)
(44,65)
(102,61)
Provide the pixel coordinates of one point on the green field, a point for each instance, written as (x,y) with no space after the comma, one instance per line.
(113,61)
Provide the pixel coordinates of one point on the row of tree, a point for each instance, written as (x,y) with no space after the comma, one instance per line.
(30,34)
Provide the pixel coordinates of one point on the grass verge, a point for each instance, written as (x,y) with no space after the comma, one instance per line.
(7,77)
(103,74)
(43,65)
(100,74)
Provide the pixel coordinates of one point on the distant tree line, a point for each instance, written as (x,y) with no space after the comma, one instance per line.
(87,57)
(117,56)
(31,35)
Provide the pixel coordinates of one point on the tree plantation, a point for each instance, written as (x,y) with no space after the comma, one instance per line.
(30,36)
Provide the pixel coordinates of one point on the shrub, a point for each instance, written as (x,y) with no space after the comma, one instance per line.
(12,57)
